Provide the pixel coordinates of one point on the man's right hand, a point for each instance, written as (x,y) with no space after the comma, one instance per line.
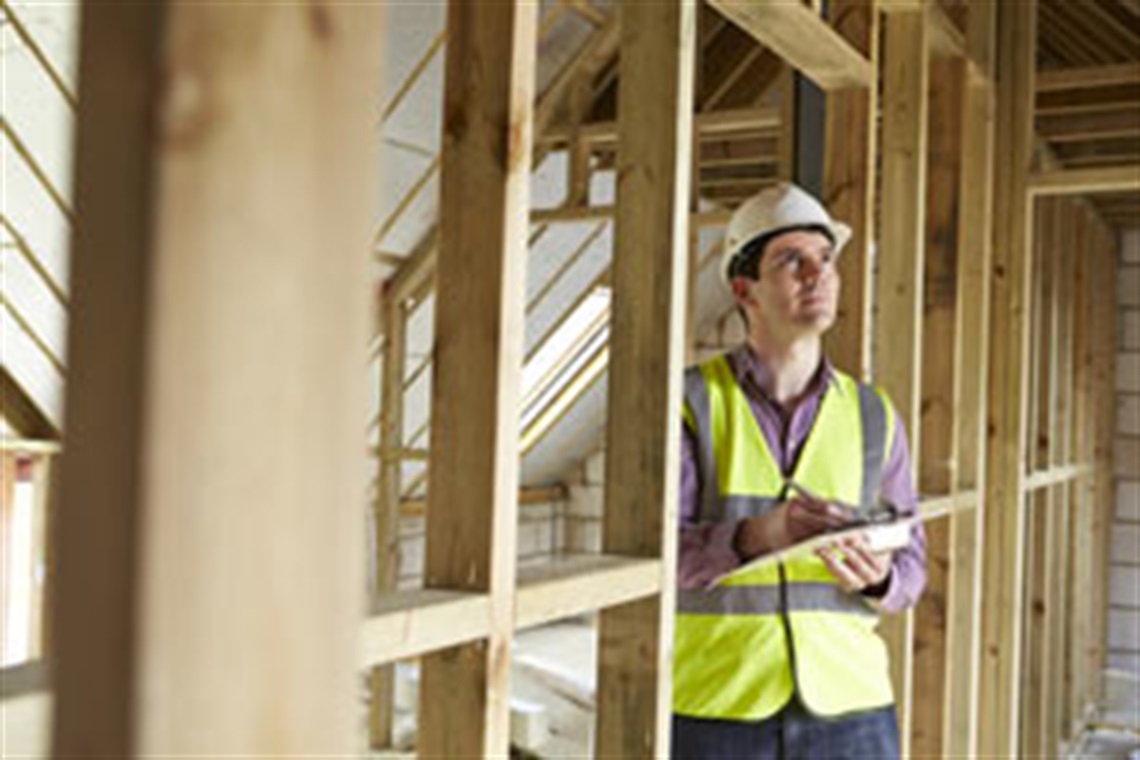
(793,521)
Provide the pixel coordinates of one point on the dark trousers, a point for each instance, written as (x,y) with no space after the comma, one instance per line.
(791,734)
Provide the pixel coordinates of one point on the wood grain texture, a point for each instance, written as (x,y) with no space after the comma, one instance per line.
(900,292)
(941,365)
(1009,360)
(967,529)
(851,140)
(803,39)
(647,348)
(472,513)
(180,628)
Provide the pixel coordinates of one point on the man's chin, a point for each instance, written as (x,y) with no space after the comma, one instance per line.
(817,322)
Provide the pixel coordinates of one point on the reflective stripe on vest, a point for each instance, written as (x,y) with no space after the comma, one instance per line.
(732,655)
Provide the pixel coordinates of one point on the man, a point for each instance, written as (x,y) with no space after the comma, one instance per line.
(784,661)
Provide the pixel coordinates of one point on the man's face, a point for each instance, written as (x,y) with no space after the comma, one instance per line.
(797,292)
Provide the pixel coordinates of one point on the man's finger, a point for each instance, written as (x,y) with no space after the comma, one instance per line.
(870,566)
(832,557)
(824,512)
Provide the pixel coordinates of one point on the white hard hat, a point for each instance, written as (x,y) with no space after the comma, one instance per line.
(782,207)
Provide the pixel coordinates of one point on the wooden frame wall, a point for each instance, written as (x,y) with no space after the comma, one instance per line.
(963,287)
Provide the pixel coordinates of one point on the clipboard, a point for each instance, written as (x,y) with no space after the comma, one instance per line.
(886,536)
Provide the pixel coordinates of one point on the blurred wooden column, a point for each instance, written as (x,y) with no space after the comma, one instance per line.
(655,106)
(210,584)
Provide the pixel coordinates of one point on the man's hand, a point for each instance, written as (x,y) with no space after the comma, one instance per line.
(793,521)
(854,564)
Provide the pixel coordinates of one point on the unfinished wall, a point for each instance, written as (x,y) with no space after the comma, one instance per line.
(1124,599)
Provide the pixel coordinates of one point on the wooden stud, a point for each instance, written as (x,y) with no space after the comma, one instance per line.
(190,421)
(851,141)
(647,349)
(472,515)
(940,367)
(1005,513)
(975,223)
(804,40)
(898,335)
(386,507)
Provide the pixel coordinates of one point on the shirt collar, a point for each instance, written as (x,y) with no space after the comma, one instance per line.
(747,367)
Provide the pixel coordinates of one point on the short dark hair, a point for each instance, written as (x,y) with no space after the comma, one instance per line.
(746,263)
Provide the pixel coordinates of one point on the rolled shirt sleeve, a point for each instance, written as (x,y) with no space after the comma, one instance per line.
(705,550)
(908,568)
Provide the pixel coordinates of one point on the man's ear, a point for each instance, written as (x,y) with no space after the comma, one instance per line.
(740,290)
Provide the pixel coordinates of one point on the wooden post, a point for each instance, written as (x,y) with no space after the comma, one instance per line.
(849,187)
(1040,568)
(1005,510)
(937,460)
(1103,419)
(210,577)
(898,329)
(967,528)
(1078,581)
(646,351)
(480,296)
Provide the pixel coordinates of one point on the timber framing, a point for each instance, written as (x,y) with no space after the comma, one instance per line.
(960,298)
(802,38)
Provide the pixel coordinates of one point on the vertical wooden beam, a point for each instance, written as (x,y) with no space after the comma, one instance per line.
(1040,568)
(1005,512)
(940,368)
(1085,280)
(191,421)
(480,311)
(898,329)
(655,128)
(851,139)
(967,528)
(1105,247)
(386,507)
(1062,455)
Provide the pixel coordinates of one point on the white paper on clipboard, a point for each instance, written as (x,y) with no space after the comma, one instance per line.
(888,536)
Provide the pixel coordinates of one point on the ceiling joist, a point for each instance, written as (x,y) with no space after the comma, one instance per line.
(802,38)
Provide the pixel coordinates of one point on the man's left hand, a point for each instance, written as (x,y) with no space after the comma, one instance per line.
(854,564)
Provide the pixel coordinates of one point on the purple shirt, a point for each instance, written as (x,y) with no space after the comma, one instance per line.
(706,549)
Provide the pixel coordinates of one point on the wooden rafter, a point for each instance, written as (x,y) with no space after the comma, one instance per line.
(799,36)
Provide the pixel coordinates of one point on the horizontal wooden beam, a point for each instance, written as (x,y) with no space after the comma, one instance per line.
(571,587)
(1080,181)
(411,623)
(527,497)
(902,6)
(599,213)
(1056,476)
(408,624)
(707,125)
(1083,78)
(802,38)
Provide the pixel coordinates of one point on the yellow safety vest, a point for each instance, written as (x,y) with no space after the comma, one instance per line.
(743,648)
